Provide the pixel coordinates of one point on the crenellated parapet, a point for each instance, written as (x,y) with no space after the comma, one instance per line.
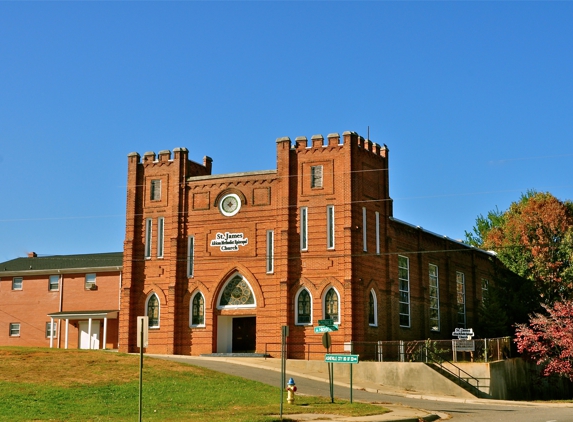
(349,139)
(164,158)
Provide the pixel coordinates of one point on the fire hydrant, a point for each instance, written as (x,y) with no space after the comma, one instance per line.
(291,388)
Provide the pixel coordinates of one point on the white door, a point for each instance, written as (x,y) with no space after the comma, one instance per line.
(85,341)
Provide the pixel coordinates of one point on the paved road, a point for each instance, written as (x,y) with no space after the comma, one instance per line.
(480,410)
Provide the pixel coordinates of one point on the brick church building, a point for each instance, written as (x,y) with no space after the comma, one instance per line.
(219,263)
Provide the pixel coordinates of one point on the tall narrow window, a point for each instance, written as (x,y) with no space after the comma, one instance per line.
(190,256)
(303,308)
(270,251)
(51,330)
(54,283)
(364,231)
(461,298)
(198,310)
(331,306)
(434,298)
(330,227)
(156,190)
(160,227)
(304,229)
(316,176)
(484,290)
(148,230)
(152,311)
(377,233)
(17,283)
(404,290)
(372,309)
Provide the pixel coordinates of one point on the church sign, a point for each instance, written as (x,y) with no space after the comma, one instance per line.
(228,242)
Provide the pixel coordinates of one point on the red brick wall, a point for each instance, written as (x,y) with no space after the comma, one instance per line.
(355,177)
(31,305)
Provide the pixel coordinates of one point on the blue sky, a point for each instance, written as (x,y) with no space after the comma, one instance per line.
(473,99)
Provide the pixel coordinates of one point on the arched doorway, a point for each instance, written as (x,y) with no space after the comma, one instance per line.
(236,320)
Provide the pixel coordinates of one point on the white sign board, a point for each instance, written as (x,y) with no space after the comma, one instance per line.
(142,324)
(463,333)
(464,345)
(228,242)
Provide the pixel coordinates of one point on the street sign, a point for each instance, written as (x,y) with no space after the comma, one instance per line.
(325,322)
(326,341)
(142,331)
(341,358)
(324,329)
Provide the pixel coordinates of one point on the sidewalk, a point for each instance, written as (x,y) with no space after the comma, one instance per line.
(398,413)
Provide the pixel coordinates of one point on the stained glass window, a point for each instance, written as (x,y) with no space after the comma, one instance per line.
(237,292)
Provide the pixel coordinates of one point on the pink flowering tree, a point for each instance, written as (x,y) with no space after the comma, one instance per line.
(548,339)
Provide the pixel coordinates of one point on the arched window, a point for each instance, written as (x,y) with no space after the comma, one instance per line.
(303,307)
(152,310)
(197,310)
(237,294)
(372,309)
(332,305)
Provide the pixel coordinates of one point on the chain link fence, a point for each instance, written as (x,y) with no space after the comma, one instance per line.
(480,350)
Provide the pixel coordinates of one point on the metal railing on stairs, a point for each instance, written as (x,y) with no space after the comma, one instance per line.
(464,381)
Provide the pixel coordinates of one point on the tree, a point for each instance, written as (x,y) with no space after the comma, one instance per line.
(548,339)
(534,239)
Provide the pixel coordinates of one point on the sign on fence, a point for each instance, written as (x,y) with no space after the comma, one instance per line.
(464,345)
(463,333)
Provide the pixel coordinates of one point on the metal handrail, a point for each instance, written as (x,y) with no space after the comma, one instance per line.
(460,370)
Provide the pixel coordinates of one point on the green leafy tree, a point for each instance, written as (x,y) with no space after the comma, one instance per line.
(534,239)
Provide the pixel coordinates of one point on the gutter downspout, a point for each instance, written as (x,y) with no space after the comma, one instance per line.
(59,332)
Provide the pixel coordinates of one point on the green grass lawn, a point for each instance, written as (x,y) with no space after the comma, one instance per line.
(82,385)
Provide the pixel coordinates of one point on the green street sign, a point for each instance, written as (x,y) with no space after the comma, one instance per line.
(325,322)
(325,329)
(341,358)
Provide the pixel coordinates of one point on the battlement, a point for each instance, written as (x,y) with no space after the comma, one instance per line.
(164,157)
(333,139)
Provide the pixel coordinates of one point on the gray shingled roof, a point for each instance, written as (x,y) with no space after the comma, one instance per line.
(63,262)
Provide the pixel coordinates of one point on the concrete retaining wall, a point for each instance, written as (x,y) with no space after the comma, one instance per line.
(512,379)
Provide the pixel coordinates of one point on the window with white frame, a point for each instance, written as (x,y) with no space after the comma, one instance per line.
(190,256)
(372,309)
(316,177)
(152,310)
(304,229)
(197,310)
(404,290)
(14,329)
(332,305)
(17,283)
(484,290)
(377,214)
(461,298)
(148,234)
(434,298)
(364,231)
(270,251)
(303,307)
(54,283)
(330,226)
(51,330)
(160,236)
(90,282)
(155,193)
